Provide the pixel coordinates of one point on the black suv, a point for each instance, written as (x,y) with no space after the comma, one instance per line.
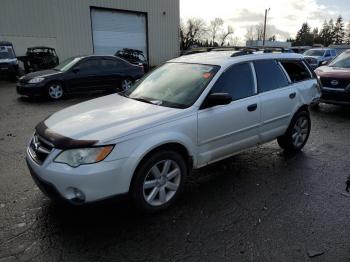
(134,56)
(8,60)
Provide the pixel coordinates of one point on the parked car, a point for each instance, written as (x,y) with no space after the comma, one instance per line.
(188,113)
(318,56)
(300,49)
(39,58)
(81,74)
(335,80)
(135,57)
(8,60)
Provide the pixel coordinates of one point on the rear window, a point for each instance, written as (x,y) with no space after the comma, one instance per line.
(269,75)
(296,71)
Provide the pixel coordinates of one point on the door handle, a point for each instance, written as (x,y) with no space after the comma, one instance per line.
(252,107)
(292,95)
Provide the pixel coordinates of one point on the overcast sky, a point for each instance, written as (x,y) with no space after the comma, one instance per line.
(285,16)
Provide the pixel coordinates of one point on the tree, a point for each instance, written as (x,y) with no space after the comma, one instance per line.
(249,36)
(191,32)
(316,36)
(325,34)
(224,35)
(215,27)
(259,31)
(347,34)
(304,35)
(338,31)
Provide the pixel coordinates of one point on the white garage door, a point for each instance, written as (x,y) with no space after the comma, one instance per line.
(115,30)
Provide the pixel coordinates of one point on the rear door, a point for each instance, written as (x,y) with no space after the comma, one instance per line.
(276,98)
(227,129)
(303,81)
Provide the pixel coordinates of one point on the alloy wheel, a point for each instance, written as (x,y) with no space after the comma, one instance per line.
(300,131)
(55,91)
(126,84)
(161,182)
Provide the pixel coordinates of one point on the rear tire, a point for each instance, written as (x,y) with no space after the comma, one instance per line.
(158,181)
(126,84)
(297,133)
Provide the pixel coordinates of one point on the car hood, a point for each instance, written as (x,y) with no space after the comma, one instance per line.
(42,73)
(107,118)
(315,57)
(335,72)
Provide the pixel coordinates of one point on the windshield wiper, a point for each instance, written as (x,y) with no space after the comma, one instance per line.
(142,100)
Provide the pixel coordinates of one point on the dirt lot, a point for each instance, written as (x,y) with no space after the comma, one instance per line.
(261,205)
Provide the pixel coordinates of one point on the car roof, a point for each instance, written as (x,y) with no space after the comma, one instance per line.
(40,47)
(5,43)
(223,58)
(322,48)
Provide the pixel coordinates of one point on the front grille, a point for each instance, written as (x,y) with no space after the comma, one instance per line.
(39,149)
(335,82)
(23,81)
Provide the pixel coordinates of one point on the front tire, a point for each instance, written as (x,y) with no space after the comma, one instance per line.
(158,181)
(297,133)
(55,90)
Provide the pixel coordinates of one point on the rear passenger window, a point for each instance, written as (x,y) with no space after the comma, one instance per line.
(296,70)
(270,75)
(238,81)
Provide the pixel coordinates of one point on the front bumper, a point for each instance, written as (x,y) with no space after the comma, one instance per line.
(30,89)
(336,97)
(97,182)
(9,69)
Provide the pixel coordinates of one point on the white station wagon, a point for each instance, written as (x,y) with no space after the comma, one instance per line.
(189,112)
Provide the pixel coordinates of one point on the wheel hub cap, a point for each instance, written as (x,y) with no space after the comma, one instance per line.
(161,182)
(300,131)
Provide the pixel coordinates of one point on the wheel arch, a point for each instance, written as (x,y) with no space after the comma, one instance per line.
(170,145)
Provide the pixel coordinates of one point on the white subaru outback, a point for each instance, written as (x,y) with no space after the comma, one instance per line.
(189,112)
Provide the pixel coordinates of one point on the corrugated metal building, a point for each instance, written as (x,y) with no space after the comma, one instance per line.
(77,27)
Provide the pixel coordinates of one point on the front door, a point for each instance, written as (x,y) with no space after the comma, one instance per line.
(85,76)
(227,129)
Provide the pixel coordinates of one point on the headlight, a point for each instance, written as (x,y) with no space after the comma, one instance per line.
(36,80)
(81,156)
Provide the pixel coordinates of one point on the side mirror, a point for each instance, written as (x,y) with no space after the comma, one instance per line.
(325,63)
(76,69)
(217,99)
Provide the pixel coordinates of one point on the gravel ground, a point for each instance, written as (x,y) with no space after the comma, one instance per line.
(261,205)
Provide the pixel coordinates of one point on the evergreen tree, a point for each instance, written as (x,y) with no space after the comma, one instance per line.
(304,35)
(338,31)
(326,34)
(316,36)
(347,35)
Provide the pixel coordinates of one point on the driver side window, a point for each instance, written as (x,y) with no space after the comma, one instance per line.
(238,81)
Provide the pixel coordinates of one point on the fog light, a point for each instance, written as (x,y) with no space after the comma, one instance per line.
(78,196)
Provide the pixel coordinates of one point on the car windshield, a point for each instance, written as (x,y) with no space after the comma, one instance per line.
(314,52)
(343,60)
(175,85)
(67,64)
(6,52)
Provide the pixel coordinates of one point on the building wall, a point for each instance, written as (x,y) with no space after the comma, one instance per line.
(66,25)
